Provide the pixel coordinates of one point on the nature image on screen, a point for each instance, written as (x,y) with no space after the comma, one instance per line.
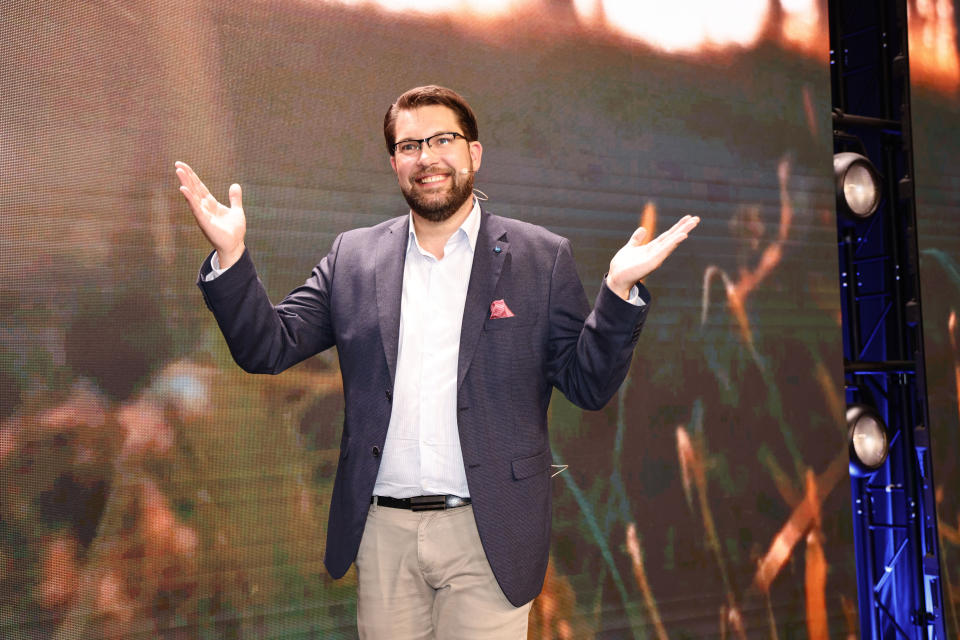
(151,489)
(935,100)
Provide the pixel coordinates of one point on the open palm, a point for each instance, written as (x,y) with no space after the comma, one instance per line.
(636,260)
(223,226)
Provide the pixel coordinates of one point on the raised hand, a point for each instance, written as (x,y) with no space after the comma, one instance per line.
(635,260)
(223,226)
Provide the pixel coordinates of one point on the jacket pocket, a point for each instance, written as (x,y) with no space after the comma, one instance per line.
(526,467)
(495,324)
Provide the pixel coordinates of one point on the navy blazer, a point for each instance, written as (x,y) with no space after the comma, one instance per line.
(507,370)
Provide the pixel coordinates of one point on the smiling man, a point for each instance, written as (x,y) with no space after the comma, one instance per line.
(452,326)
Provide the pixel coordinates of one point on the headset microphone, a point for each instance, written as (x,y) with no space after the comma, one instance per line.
(465,170)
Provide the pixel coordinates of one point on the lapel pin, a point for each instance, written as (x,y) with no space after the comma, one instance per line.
(497,249)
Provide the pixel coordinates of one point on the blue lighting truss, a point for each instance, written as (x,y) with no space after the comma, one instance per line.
(894,517)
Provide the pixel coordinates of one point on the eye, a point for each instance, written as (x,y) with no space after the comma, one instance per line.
(408,146)
(443,140)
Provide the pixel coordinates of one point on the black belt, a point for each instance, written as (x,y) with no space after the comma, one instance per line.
(421,503)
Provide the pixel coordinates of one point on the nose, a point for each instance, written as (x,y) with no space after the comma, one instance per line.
(425,153)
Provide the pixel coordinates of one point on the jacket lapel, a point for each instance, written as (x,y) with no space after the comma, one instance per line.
(391,252)
(491,253)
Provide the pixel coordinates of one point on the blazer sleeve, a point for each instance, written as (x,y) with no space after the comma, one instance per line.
(267,338)
(588,358)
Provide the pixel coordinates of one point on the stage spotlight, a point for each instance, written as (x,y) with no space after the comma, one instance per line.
(869,442)
(858,185)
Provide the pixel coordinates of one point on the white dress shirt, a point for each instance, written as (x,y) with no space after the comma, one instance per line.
(422,455)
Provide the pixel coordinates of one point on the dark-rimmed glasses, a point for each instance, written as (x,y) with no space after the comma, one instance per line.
(437,142)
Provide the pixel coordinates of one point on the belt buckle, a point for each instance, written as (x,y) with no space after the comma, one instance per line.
(428,503)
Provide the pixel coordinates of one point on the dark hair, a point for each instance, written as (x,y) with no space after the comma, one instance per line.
(422,97)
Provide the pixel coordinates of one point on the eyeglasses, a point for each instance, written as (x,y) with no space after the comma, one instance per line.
(437,142)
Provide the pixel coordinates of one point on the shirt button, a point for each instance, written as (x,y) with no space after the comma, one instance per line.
(375,451)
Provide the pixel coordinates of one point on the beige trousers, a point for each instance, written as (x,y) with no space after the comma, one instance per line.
(422,575)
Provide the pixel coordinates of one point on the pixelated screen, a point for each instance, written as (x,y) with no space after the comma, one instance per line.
(935,75)
(151,489)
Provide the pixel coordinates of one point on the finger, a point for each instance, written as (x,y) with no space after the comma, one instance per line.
(188,182)
(236,196)
(192,180)
(186,188)
(186,194)
(678,232)
(185,173)
(672,237)
(195,206)
(681,225)
(683,232)
(677,239)
(668,234)
(202,204)
(199,188)
(636,239)
(184,180)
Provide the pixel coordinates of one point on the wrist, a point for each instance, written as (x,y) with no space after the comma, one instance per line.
(619,288)
(228,258)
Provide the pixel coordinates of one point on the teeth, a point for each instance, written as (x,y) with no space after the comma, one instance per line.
(435,178)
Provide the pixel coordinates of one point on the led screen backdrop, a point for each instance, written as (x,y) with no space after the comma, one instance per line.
(152,489)
(935,71)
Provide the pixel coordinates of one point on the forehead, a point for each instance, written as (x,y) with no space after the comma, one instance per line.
(425,121)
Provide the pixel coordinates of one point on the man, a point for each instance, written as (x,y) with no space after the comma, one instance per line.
(452,326)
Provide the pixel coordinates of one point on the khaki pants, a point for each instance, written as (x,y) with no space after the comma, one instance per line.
(422,575)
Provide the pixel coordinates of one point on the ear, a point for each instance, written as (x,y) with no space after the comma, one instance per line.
(476,153)
(393,165)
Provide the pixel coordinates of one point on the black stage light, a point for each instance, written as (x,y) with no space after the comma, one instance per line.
(869,441)
(858,185)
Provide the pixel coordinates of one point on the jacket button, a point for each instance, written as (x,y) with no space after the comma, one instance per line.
(389,395)
(375,451)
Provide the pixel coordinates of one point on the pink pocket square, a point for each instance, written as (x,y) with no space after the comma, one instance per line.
(499,309)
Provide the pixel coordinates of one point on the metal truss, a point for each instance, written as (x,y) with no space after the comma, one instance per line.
(894,517)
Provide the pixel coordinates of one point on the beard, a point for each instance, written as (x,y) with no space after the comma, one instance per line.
(437,207)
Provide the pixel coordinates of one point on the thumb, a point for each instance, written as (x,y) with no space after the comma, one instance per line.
(236,196)
(637,238)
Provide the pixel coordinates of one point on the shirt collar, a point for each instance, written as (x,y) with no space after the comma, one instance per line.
(470,228)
